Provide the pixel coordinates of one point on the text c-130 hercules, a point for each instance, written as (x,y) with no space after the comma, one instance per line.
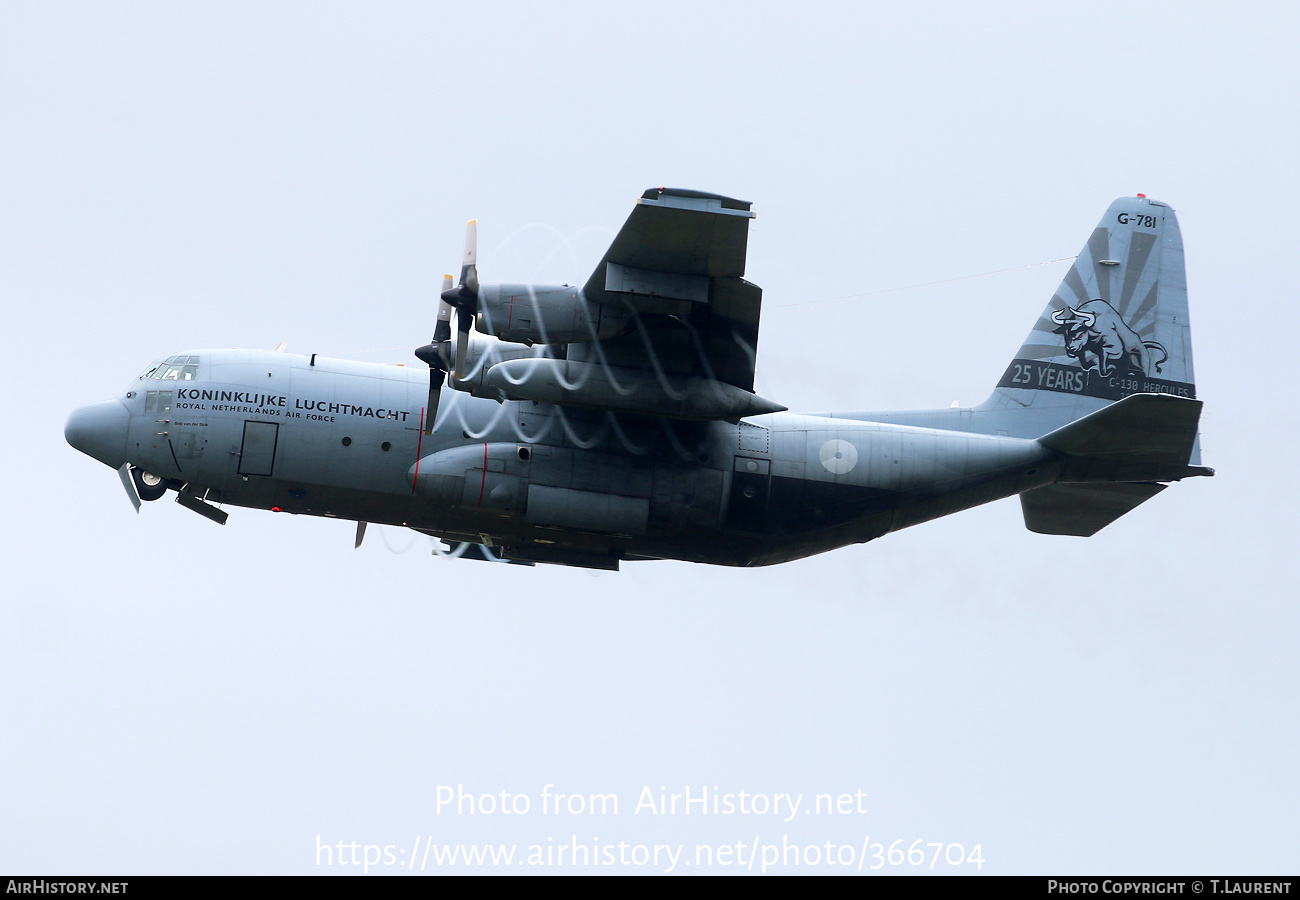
(618,421)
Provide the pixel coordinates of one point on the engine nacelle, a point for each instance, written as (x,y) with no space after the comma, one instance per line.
(596,386)
(480,357)
(545,314)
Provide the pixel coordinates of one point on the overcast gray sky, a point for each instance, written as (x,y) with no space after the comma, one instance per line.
(179,697)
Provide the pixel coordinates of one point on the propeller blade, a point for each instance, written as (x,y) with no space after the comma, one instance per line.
(436,377)
(463,299)
(442,331)
(129,483)
(435,354)
(469,264)
(361,535)
(463,321)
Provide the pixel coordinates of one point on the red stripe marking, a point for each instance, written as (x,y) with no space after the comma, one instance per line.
(418,441)
(484,484)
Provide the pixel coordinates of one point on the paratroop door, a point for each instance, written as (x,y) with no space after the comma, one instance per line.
(258,453)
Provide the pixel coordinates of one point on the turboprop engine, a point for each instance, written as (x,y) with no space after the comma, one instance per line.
(545,314)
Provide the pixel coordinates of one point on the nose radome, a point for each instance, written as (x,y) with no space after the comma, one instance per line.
(99,431)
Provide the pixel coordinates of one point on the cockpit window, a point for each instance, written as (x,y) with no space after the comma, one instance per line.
(174,368)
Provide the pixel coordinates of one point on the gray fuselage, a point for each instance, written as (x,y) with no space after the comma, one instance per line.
(328,437)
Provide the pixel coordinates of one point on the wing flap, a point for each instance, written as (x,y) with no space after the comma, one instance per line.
(621,279)
(682,233)
(672,232)
(677,264)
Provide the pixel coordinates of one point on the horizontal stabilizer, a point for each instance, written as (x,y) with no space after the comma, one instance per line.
(1144,437)
(1081,509)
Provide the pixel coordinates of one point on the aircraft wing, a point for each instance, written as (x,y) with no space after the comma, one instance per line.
(678,264)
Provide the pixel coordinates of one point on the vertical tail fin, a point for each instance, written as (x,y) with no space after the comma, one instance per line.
(1116,326)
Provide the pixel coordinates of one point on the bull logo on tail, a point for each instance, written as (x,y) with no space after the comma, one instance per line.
(1099,339)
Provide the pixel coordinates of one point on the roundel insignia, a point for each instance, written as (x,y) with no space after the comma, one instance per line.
(839,457)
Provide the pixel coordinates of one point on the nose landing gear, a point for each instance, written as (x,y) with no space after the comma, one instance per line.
(148,485)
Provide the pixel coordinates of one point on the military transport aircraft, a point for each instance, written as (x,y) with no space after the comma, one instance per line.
(618,420)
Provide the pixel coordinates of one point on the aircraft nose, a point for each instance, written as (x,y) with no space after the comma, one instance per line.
(99,430)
